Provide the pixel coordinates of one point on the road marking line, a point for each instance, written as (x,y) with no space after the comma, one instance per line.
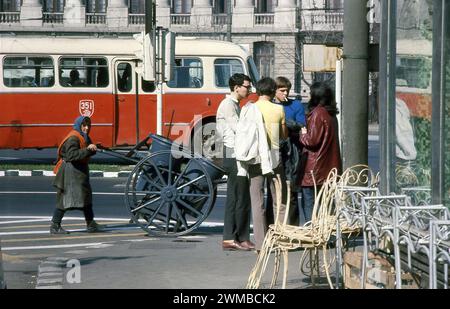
(53,192)
(71,231)
(65,218)
(46,226)
(49,247)
(22,221)
(94,193)
(72,237)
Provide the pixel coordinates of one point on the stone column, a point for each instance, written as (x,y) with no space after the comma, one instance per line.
(117,14)
(31,13)
(74,14)
(163,13)
(243,14)
(285,15)
(201,14)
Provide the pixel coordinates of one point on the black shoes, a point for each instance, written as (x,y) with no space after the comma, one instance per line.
(94,227)
(56,229)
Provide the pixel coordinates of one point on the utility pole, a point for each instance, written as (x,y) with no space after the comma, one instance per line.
(229,15)
(149,17)
(355,84)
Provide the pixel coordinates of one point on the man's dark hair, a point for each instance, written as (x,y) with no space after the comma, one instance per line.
(283,82)
(266,86)
(237,80)
(86,121)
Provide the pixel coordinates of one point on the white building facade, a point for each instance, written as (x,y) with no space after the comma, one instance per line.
(274,31)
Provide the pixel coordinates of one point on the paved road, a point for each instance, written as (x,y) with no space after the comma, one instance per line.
(26,204)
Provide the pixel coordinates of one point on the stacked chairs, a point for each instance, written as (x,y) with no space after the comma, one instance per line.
(378,224)
(313,236)
(439,251)
(355,183)
(414,227)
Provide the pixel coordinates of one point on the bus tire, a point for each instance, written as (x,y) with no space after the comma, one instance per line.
(203,140)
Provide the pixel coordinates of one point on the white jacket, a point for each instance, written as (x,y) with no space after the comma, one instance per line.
(251,146)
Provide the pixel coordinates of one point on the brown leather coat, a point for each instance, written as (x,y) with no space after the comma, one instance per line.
(321,147)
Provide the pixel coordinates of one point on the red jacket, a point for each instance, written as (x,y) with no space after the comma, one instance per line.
(321,147)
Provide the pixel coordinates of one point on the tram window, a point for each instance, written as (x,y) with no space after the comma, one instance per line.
(124,77)
(224,68)
(413,72)
(83,72)
(187,73)
(28,71)
(148,86)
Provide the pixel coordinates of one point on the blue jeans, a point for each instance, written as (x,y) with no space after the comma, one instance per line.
(307,204)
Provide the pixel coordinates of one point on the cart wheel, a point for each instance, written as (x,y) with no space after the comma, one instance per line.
(169,193)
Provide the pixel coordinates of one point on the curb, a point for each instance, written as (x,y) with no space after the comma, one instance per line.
(17,173)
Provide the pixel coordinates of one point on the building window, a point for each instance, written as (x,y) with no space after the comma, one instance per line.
(264,55)
(136,6)
(220,7)
(181,6)
(53,6)
(10,6)
(265,6)
(334,4)
(96,6)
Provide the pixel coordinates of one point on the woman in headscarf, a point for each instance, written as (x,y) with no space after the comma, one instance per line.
(72,176)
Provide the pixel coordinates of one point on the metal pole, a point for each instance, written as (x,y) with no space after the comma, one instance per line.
(160,80)
(229,15)
(387,95)
(149,16)
(356,84)
(339,98)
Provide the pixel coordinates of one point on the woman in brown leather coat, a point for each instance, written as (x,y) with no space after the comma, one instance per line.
(321,145)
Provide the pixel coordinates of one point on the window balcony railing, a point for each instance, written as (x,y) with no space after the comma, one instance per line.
(95,18)
(180,19)
(9,17)
(136,19)
(322,19)
(219,19)
(53,17)
(264,18)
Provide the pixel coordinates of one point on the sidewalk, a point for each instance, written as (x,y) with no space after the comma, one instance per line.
(199,263)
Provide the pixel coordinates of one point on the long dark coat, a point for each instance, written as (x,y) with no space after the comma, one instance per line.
(72,178)
(321,147)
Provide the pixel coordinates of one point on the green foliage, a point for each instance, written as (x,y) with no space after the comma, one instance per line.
(422,134)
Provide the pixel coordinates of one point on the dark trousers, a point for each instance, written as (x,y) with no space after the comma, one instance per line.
(58,214)
(237,207)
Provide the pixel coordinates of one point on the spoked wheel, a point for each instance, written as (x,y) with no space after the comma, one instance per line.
(169,193)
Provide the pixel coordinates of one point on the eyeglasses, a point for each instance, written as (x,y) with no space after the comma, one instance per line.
(248,87)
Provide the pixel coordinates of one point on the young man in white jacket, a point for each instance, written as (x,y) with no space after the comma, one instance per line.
(236,230)
(254,161)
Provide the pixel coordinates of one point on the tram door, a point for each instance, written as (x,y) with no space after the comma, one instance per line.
(126,103)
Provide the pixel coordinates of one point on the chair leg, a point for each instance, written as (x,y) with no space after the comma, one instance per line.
(325,263)
(276,268)
(286,266)
(259,269)
(312,265)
